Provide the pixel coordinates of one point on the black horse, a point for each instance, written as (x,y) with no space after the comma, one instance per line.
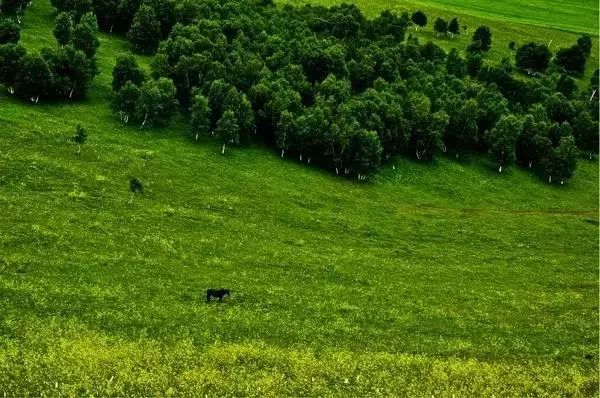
(218,293)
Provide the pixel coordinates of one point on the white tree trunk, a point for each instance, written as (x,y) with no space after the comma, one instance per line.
(530,164)
(500,169)
(282,153)
(144,122)
(196,136)
(223,151)
(337,172)
(593,94)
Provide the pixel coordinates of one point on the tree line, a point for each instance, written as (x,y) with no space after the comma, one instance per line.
(330,87)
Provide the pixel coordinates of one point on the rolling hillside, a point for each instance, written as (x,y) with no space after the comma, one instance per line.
(433,279)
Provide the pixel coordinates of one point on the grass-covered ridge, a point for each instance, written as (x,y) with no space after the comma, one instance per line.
(433,279)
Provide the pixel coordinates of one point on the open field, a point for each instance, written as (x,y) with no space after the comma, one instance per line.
(434,279)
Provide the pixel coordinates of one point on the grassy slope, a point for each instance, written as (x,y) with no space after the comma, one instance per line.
(434,279)
(509,20)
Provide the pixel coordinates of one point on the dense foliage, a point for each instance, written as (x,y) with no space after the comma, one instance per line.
(332,88)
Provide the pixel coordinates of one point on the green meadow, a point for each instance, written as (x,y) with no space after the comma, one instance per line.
(443,279)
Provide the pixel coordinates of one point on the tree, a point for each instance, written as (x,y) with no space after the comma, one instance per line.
(125,101)
(135,186)
(571,60)
(559,108)
(461,132)
(585,132)
(390,24)
(455,65)
(285,129)
(80,137)
(13,7)
(474,63)
(84,39)
(145,31)
(228,131)
(440,26)
(157,103)
(33,79)
(127,70)
(63,28)
(10,32)
(72,71)
(419,18)
(585,44)
(200,116)
(533,57)
(11,56)
(426,127)
(454,27)
(562,161)
(503,139)
(566,85)
(533,144)
(89,19)
(482,39)
(363,155)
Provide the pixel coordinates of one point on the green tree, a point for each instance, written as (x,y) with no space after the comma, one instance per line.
(145,31)
(228,131)
(364,151)
(455,65)
(11,56)
(135,186)
(200,116)
(585,132)
(419,18)
(157,103)
(72,71)
(125,101)
(482,40)
(562,162)
(474,62)
(461,132)
(454,27)
(10,32)
(585,44)
(571,60)
(84,39)
(285,129)
(533,57)
(566,85)
(440,26)
(13,7)
(533,144)
(34,78)
(503,140)
(126,70)
(80,137)
(63,28)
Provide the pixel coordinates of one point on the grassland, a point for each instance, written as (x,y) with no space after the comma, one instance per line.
(433,279)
